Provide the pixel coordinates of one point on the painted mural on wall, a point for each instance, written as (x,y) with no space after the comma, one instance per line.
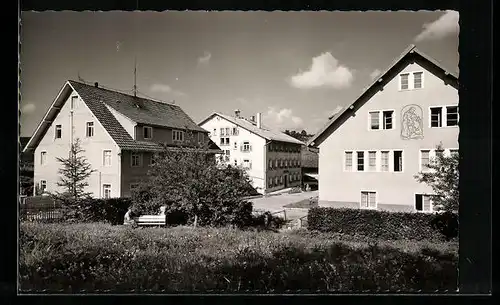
(412,122)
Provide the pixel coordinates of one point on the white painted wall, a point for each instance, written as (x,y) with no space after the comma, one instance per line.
(395,191)
(94,150)
(127,123)
(258,171)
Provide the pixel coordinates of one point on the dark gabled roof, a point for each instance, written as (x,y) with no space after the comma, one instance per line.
(309,157)
(97,100)
(264,132)
(411,51)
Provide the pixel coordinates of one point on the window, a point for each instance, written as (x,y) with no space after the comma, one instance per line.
(235,162)
(276,163)
(58,134)
(424,159)
(246,147)
(215,132)
(282,163)
(270,182)
(43,158)
(361,160)
(290,178)
(106,190)
(403,81)
(227,155)
(452,116)
(372,160)
(224,141)
(235,131)
(374,120)
(247,163)
(201,138)
(178,136)
(152,160)
(222,132)
(398,161)
(387,119)
(436,117)
(235,145)
(286,163)
(281,179)
(417,80)
(227,131)
(348,161)
(147,132)
(270,164)
(368,200)
(423,203)
(134,186)
(74,102)
(384,166)
(90,129)
(106,160)
(135,159)
(43,185)
(275,180)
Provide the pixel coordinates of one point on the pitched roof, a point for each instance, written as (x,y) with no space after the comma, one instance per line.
(96,100)
(264,132)
(410,52)
(309,157)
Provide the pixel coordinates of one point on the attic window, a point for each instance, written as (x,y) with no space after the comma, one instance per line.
(147,132)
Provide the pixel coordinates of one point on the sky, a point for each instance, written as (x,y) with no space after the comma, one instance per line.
(296,68)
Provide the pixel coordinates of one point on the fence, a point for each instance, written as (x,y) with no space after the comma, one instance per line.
(42,209)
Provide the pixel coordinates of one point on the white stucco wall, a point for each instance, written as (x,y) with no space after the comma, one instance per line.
(395,190)
(94,150)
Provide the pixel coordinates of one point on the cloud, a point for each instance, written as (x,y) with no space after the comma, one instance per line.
(205,59)
(444,26)
(375,73)
(162,88)
(28,108)
(325,71)
(335,111)
(282,119)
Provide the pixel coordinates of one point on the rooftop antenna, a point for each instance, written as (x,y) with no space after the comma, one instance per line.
(135,76)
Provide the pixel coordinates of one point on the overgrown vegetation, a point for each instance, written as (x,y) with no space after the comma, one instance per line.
(192,185)
(91,257)
(443,176)
(382,224)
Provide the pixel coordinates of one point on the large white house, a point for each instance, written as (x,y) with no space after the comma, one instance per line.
(120,134)
(370,151)
(271,158)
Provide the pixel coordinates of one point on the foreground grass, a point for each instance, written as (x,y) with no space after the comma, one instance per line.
(99,257)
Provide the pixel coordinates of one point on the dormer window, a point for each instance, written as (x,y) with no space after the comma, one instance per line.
(147,132)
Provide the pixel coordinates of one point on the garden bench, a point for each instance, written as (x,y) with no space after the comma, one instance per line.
(150,220)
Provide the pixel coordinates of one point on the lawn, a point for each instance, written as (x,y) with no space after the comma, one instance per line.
(76,257)
(303,204)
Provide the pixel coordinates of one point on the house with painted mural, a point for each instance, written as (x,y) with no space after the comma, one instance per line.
(271,158)
(371,150)
(119,132)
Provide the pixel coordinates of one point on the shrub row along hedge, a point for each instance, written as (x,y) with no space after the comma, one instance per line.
(110,210)
(383,224)
(72,258)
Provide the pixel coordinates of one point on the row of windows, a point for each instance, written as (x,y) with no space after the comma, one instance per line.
(422,202)
(226,131)
(106,188)
(284,163)
(106,157)
(386,160)
(283,147)
(439,116)
(279,180)
(417,81)
(244,147)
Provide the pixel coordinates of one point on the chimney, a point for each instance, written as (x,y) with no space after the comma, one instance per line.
(259,120)
(96,84)
(252,118)
(237,113)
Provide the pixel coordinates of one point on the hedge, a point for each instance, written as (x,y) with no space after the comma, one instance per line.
(98,257)
(111,210)
(383,224)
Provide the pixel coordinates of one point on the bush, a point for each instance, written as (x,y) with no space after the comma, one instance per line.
(380,224)
(72,258)
(110,210)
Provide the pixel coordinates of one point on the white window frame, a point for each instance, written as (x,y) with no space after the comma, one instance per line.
(444,115)
(235,131)
(246,147)
(104,189)
(215,132)
(400,81)
(104,157)
(364,161)
(55,131)
(177,134)
(376,163)
(222,132)
(388,151)
(144,128)
(89,125)
(430,201)
(420,165)
(402,161)
(381,122)
(247,163)
(344,157)
(413,79)
(361,201)
(270,166)
(43,157)
(132,159)
(43,185)
(73,102)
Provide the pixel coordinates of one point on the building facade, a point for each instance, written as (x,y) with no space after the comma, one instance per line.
(370,152)
(119,134)
(271,158)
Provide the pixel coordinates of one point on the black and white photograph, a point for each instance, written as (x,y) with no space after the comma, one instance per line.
(239,152)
